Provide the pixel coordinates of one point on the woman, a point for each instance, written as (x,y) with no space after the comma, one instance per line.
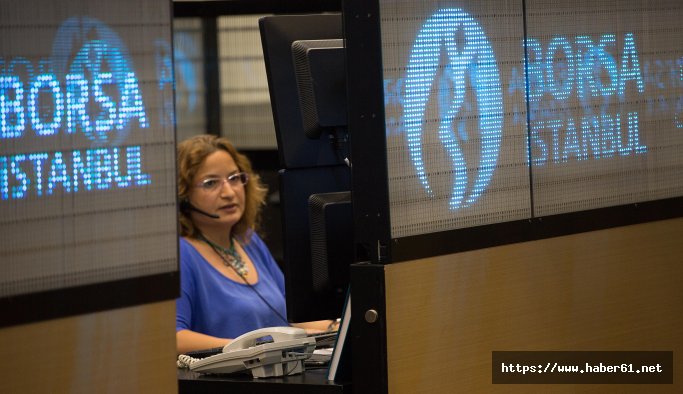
(230,283)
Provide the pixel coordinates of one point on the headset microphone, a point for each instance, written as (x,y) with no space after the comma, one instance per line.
(185,205)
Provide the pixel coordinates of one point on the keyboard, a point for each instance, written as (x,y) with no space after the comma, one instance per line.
(203,353)
(324,339)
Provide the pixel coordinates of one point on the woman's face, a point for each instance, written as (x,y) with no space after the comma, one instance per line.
(213,192)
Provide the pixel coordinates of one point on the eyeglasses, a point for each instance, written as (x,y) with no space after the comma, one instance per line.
(234,180)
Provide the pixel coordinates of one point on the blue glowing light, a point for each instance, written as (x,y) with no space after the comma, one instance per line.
(469,60)
(84,86)
(12,119)
(451,56)
(630,66)
(91,60)
(45,81)
(95,94)
(76,104)
(45,173)
(586,70)
(562,67)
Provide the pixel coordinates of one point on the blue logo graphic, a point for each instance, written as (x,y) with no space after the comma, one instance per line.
(470,59)
(597,73)
(88,85)
(101,64)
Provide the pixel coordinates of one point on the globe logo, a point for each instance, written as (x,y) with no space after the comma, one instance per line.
(454,35)
(100,79)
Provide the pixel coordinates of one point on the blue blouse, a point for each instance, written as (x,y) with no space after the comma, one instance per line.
(212,304)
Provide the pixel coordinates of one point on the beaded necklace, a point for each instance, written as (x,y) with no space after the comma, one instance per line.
(231,258)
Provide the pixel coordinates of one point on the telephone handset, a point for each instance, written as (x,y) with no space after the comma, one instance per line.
(249,339)
(284,355)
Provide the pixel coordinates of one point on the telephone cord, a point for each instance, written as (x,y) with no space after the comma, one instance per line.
(246,282)
(185,361)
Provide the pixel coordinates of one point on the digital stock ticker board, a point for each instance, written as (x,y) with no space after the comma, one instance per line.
(87,144)
(505,110)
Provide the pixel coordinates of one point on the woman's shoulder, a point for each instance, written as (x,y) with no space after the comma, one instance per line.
(187,250)
(189,243)
(184,245)
(252,239)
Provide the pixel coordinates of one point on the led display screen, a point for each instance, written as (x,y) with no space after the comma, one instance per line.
(456,153)
(605,103)
(87,146)
(502,110)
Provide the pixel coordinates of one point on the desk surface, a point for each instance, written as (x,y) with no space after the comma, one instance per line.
(313,381)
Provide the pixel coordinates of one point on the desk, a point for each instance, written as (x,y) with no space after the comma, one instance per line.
(313,381)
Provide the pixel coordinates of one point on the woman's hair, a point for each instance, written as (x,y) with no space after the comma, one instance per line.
(191,155)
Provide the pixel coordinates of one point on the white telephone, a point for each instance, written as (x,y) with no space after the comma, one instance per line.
(284,355)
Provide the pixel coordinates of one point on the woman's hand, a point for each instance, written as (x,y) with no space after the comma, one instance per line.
(334,325)
(319,327)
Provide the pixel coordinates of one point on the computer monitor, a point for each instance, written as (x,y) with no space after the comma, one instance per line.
(278,32)
(319,67)
(314,177)
(317,240)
